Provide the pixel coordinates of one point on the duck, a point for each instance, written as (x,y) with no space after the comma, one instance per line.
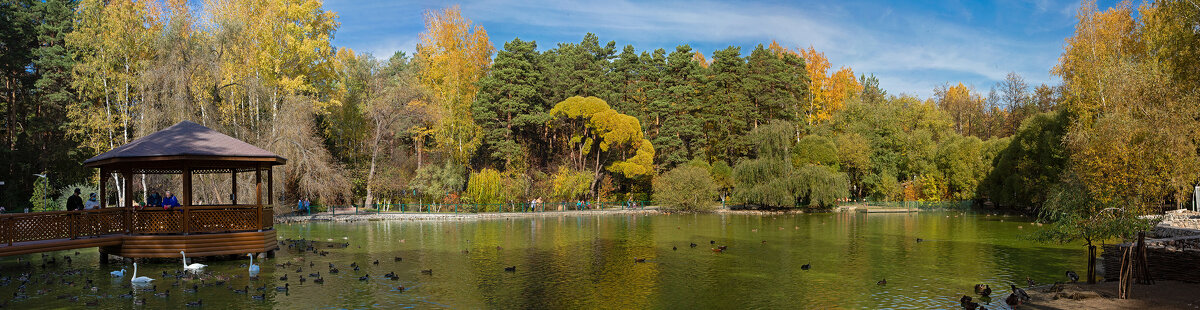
(319,280)
(364,278)
(397,258)
(510,269)
(712,242)
(1030,282)
(302,279)
(400,288)
(693,244)
(1019,292)
(882,282)
(253,268)
(673,248)
(334,271)
(263,296)
(723,247)
(806,266)
(194,267)
(137,279)
(1013,300)
(920,240)
(242,291)
(1073,276)
(376,262)
(717,250)
(118,273)
(197,303)
(283,278)
(966,303)
(194,289)
(639,260)
(283,288)
(427,271)
(983,290)
(163,294)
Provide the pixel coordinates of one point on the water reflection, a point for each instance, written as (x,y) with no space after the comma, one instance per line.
(588,262)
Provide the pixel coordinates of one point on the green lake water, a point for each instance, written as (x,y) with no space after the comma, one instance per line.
(589,262)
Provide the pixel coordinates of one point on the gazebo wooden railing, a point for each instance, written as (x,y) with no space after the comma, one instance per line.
(70,225)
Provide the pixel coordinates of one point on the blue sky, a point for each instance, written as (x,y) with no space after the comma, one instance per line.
(912,46)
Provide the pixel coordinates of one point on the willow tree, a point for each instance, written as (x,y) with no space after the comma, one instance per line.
(774,180)
(595,136)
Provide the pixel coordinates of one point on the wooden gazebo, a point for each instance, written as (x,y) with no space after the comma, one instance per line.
(127,230)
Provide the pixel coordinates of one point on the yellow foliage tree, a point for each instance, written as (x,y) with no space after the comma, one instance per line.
(454,54)
(828,91)
(1101,40)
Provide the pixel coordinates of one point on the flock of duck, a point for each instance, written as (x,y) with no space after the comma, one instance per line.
(1016,297)
(194,274)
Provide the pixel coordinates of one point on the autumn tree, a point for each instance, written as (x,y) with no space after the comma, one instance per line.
(964,105)
(828,91)
(598,137)
(454,54)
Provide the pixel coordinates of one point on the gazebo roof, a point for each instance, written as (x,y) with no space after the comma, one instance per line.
(186,144)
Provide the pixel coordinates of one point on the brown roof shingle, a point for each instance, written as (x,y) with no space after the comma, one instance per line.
(185,139)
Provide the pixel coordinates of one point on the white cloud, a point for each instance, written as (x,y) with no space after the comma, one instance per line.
(911,52)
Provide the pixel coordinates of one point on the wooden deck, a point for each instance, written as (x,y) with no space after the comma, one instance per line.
(199,230)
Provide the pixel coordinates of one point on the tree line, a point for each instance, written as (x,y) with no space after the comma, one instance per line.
(461,120)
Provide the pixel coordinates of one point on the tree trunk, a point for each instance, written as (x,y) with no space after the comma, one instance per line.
(1091,267)
(374,156)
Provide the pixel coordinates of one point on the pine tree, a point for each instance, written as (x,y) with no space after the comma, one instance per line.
(510,102)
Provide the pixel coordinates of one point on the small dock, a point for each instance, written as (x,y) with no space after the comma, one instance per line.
(874,209)
(890,210)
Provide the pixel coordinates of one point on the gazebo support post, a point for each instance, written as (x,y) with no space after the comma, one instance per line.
(127,175)
(270,186)
(103,188)
(233,187)
(258,193)
(187,200)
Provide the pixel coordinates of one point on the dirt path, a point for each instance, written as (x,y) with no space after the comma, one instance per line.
(1161,295)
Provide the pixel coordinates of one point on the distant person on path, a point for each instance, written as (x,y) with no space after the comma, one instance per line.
(91,203)
(307,205)
(170,201)
(75,202)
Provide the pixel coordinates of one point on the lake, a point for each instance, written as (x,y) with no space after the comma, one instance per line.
(589,262)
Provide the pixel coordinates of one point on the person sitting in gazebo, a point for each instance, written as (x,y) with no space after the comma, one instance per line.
(91,203)
(170,201)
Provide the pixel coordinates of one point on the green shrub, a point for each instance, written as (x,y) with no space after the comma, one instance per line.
(41,196)
(685,188)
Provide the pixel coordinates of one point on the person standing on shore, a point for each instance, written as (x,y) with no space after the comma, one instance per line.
(75,202)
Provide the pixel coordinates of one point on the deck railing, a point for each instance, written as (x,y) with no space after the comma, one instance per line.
(23,227)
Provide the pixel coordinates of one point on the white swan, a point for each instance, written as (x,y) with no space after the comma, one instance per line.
(118,273)
(137,279)
(194,267)
(253,267)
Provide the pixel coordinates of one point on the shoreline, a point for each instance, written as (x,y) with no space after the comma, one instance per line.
(422,216)
(1103,295)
